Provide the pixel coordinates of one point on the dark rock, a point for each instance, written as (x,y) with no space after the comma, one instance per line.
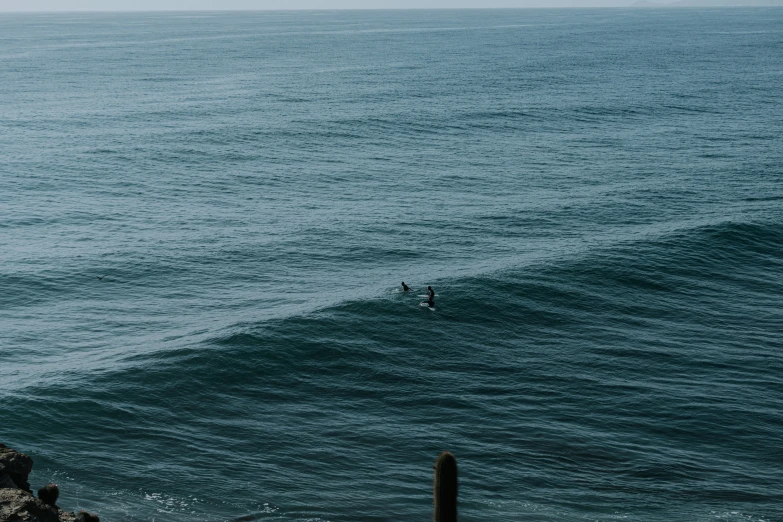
(7,482)
(49,494)
(17,503)
(15,467)
(20,506)
(84,516)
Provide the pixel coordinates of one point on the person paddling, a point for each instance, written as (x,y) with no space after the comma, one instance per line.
(405,287)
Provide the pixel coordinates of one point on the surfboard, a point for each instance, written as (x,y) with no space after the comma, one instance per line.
(428,306)
(436,295)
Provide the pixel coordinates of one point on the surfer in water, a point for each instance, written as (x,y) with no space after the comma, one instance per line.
(405,288)
(430,297)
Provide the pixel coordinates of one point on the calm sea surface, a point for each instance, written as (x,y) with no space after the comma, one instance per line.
(595,195)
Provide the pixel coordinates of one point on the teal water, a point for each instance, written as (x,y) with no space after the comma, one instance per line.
(595,195)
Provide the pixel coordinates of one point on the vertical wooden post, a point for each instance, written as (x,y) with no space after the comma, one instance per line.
(445,488)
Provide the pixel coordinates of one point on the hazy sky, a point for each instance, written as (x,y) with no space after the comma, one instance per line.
(134,5)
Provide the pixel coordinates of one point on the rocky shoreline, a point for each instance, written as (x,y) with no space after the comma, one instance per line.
(17,502)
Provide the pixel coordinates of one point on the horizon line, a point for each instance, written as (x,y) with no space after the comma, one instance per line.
(312,9)
(633,5)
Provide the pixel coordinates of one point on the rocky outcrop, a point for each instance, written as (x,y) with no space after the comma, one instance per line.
(14,469)
(17,503)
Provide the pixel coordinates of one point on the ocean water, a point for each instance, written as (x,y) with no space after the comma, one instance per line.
(596,197)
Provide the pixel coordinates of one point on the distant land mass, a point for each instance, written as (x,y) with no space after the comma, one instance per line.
(709,3)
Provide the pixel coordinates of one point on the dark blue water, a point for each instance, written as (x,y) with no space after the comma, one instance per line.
(596,197)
